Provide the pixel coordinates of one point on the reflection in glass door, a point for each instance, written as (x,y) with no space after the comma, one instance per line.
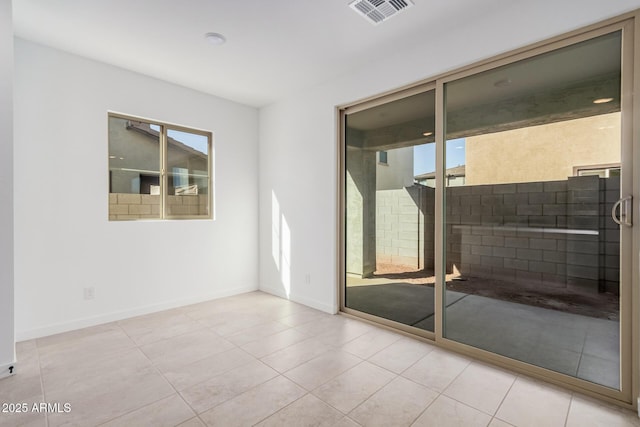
(532,252)
(389,200)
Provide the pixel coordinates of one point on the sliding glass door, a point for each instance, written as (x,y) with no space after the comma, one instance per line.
(531,244)
(389,198)
(492,210)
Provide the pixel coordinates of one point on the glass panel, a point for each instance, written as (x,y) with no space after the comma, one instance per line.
(532,254)
(390,210)
(134,169)
(187,174)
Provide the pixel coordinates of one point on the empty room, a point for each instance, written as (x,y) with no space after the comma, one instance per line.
(337,213)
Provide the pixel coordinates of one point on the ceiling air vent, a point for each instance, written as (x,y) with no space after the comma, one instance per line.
(376,11)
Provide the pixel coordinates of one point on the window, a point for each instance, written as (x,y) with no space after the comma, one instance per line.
(603,171)
(158,171)
(382,158)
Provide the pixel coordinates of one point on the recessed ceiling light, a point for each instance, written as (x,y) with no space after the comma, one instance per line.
(215,38)
(428,133)
(502,83)
(112,157)
(602,100)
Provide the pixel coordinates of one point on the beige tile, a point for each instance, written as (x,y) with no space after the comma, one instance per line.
(167,412)
(585,412)
(532,403)
(446,412)
(302,317)
(353,387)
(27,358)
(349,330)
(370,343)
(398,404)
(437,369)
(112,381)
(297,354)
(26,351)
(482,387)
(306,411)
(193,422)
(204,396)
(207,308)
(323,325)
(28,419)
(70,337)
(230,322)
(116,387)
(254,333)
(499,423)
(158,326)
(185,349)
(401,354)
(92,373)
(183,376)
(263,401)
(73,348)
(277,308)
(321,369)
(21,387)
(346,422)
(273,343)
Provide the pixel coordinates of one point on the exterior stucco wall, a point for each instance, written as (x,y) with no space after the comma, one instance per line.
(542,153)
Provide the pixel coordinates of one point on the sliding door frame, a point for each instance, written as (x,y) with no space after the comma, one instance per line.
(343,113)
(629,25)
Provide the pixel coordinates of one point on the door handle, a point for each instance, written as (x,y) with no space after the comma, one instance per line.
(625,211)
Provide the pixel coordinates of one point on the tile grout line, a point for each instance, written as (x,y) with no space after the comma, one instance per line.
(44,395)
(566,417)
(468,405)
(286,406)
(504,398)
(137,347)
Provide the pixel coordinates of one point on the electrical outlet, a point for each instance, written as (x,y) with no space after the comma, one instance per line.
(89,293)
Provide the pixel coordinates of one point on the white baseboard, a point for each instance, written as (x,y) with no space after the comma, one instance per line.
(7,370)
(309,302)
(125,314)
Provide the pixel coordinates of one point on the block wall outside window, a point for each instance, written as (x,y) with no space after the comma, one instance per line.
(158,171)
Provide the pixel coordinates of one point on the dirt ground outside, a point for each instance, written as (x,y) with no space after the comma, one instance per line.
(603,305)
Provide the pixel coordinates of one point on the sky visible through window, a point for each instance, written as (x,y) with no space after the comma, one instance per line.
(424,156)
(195,141)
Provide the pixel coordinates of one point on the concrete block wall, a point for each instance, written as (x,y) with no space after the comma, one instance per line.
(609,245)
(555,233)
(405,227)
(124,206)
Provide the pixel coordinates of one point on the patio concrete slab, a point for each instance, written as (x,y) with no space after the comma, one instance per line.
(405,303)
(572,344)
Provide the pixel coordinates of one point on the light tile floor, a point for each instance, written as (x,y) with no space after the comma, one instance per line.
(256,359)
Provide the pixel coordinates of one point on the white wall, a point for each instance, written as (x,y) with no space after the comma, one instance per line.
(6,188)
(63,240)
(398,172)
(298,136)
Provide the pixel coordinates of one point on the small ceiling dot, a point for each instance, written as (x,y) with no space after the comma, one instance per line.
(215,38)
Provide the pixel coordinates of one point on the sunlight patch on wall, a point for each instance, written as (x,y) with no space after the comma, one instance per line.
(285,271)
(281,244)
(275,230)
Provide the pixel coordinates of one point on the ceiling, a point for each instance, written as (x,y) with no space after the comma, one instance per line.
(274,48)
(558,85)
